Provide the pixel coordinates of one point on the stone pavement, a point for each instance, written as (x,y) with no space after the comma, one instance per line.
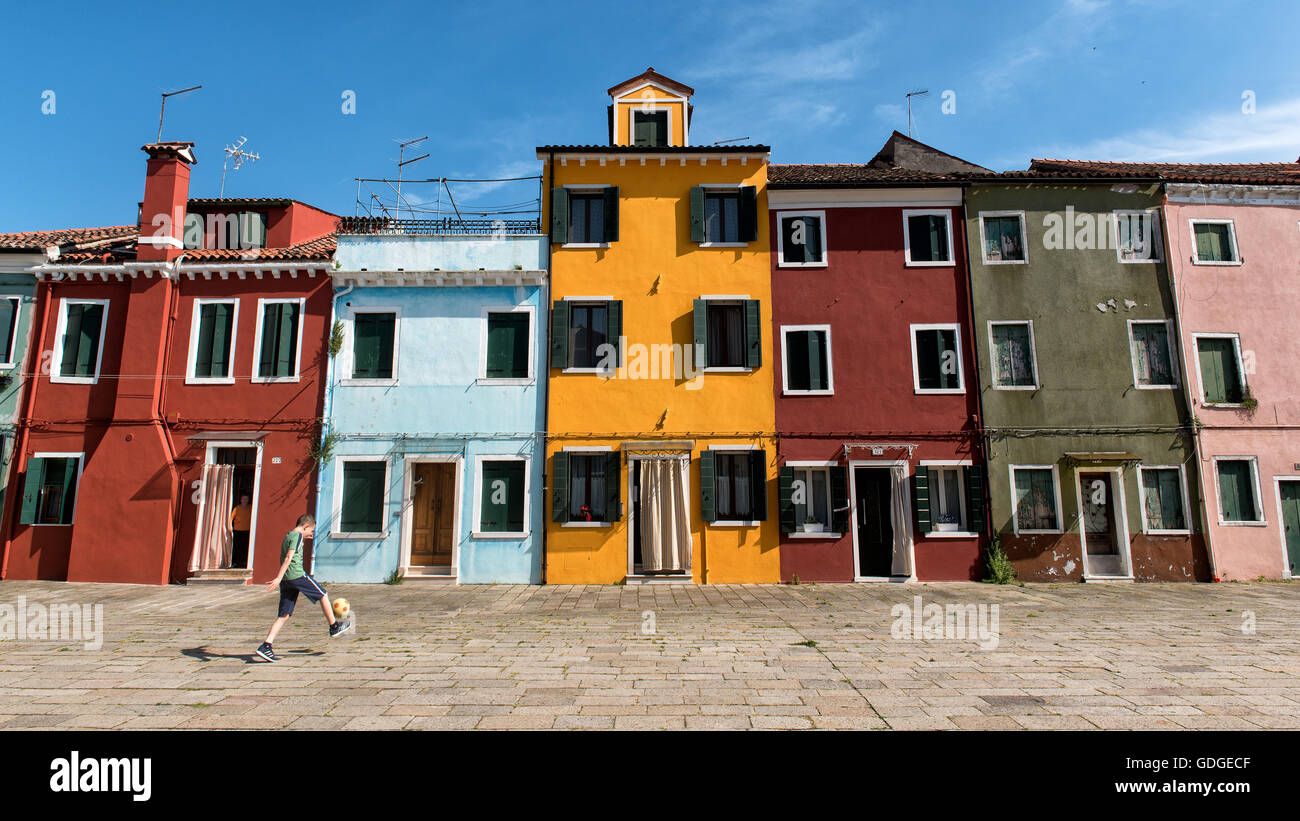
(1151,656)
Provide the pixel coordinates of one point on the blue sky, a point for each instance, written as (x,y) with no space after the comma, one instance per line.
(488,81)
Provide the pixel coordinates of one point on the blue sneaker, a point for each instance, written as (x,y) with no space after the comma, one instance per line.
(266,652)
(338,628)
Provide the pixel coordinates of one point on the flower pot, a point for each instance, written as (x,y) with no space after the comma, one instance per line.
(812,527)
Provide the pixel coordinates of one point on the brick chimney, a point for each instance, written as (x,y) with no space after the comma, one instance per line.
(166,192)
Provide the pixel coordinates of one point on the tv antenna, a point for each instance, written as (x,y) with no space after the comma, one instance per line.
(734,140)
(163,107)
(402,161)
(240,156)
(910,95)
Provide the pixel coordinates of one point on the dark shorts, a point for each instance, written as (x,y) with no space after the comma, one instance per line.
(290,588)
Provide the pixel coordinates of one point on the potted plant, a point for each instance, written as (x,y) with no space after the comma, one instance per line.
(811,525)
(948,523)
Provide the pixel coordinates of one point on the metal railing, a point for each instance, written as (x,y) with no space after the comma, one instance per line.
(443,225)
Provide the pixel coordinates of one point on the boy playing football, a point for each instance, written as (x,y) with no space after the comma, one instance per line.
(292,580)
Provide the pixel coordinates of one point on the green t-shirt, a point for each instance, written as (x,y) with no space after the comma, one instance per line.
(292,541)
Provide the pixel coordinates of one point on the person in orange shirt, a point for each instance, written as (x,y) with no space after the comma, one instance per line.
(241,520)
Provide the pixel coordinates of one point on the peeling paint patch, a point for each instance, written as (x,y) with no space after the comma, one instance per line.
(1101,306)
(1129,304)
(1069,566)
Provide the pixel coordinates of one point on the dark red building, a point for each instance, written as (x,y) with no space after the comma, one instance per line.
(877,411)
(175,370)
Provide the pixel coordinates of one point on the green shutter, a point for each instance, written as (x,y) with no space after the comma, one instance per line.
(219,353)
(81,340)
(613,487)
(701,331)
(748,214)
(68,481)
(785,498)
(559,215)
(840,508)
(697,214)
(32,485)
(1220,378)
(614,327)
(817,376)
(203,347)
(611,214)
(975,498)
(560,487)
(361,510)
(287,340)
(753,334)
(71,338)
(1236,491)
(708,487)
(758,484)
(507,516)
(507,345)
(8,319)
(922,485)
(270,326)
(367,347)
(560,334)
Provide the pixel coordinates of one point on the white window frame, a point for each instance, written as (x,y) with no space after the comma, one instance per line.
(584,188)
(190,378)
(1169,344)
(1200,379)
(336,514)
(1033,355)
(1142,501)
(1024,238)
(724,299)
(719,188)
(1056,492)
(907,238)
(13,332)
(80,456)
(477,523)
(257,339)
(960,465)
(590,300)
(483,378)
(955,327)
(780,239)
(649,107)
(61,329)
(1158,245)
(786,390)
(731,450)
(1232,238)
(347,356)
(1260,520)
(824,467)
(587,450)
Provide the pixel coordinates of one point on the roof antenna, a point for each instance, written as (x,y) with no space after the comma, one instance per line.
(163,108)
(240,155)
(401,161)
(736,140)
(910,95)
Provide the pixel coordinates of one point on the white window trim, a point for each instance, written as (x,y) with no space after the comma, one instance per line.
(257,340)
(721,187)
(1260,520)
(80,456)
(336,513)
(780,239)
(1056,492)
(586,450)
(786,390)
(1232,238)
(483,378)
(1155,236)
(190,378)
(950,464)
(1200,379)
(1169,344)
(724,299)
(347,356)
(1033,355)
(1024,238)
(916,373)
(479,459)
(1142,501)
(648,107)
(907,238)
(731,449)
(56,358)
(830,501)
(13,332)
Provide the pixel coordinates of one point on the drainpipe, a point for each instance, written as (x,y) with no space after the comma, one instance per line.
(980,429)
(168,331)
(548,177)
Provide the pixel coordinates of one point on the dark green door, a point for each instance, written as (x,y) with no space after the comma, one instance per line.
(1290,492)
(874,488)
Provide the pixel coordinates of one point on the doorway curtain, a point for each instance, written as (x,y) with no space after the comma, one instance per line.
(902,564)
(214,538)
(664,516)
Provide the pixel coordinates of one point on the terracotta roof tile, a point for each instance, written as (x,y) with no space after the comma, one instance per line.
(65,237)
(320,249)
(832,174)
(1274,173)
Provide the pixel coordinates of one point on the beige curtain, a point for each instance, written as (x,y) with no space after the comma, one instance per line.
(213,541)
(664,515)
(902,564)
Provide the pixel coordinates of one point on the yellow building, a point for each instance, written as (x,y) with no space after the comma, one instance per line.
(661,448)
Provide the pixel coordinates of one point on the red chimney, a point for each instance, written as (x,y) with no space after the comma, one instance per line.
(166,192)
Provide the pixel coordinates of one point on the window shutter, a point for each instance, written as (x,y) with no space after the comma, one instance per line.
(613,487)
(708,487)
(560,334)
(840,498)
(753,334)
(71,338)
(611,214)
(204,348)
(701,317)
(697,214)
(270,330)
(32,484)
(8,319)
(64,472)
(758,484)
(748,214)
(560,487)
(817,380)
(922,484)
(785,498)
(975,498)
(88,339)
(614,327)
(559,215)
(288,339)
(219,353)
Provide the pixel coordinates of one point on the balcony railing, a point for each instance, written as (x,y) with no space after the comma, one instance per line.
(443,225)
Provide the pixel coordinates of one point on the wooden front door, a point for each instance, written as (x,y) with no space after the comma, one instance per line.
(433,507)
(874,489)
(1290,493)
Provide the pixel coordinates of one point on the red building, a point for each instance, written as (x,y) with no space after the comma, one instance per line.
(175,371)
(877,414)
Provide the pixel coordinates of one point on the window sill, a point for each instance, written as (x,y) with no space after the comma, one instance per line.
(1039,532)
(1006,262)
(807,393)
(1226,263)
(597,371)
(1156,387)
(940,391)
(724,244)
(942,264)
(498,535)
(1166,532)
(50,524)
(361,537)
(198,380)
(951,534)
(585,245)
(733,523)
(368,383)
(485,380)
(823,535)
(266,380)
(1224,405)
(1243,524)
(74,380)
(587,524)
(1016,387)
(1123,261)
(783,264)
(728,369)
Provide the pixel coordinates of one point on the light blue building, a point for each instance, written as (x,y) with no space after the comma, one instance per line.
(436,407)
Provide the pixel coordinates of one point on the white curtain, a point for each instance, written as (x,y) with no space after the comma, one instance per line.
(902,565)
(664,516)
(214,538)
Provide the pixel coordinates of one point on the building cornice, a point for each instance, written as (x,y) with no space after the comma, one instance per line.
(132,270)
(436,279)
(1232,194)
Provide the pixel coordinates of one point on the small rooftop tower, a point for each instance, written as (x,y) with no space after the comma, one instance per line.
(650,110)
